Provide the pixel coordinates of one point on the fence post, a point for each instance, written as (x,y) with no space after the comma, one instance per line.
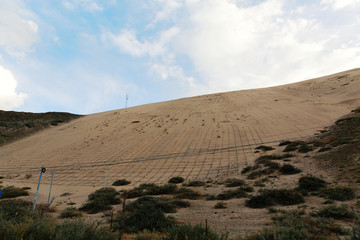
(52,178)
(43,170)
(105,176)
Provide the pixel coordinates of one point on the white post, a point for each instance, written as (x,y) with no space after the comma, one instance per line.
(106,168)
(52,178)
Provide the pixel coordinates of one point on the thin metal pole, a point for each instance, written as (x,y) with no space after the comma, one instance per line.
(105,176)
(206,227)
(38,186)
(126,102)
(52,178)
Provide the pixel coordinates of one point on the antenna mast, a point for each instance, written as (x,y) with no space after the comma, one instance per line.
(126,102)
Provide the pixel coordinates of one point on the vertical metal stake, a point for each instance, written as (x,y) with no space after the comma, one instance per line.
(52,178)
(126,101)
(37,190)
(206,227)
(105,176)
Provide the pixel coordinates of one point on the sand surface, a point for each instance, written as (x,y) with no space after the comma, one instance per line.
(204,137)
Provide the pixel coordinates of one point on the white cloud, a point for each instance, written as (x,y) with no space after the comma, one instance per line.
(87,5)
(128,42)
(9,98)
(235,47)
(232,44)
(339,4)
(17,30)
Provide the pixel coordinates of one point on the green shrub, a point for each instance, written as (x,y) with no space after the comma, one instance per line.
(324,149)
(121,182)
(267,198)
(264,148)
(249,168)
(152,189)
(295,226)
(311,183)
(13,192)
(176,180)
(210,197)
(284,143)
(187,232)
(272,165)
(146,217)
(220,205)
(70,212)
(264,158)
(304,148)
(336,212)
(260,173)
(233,182)
(15,211)
(166,205)
(81,230)
(187,193)
(101,200)
(339,193)
(289,169)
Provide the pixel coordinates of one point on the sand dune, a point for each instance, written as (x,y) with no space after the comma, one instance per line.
(210,136)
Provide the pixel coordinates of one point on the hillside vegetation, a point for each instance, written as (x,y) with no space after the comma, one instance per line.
(16,125)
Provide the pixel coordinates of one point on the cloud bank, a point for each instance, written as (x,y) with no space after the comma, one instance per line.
(9,98)
(236,45)
(18,34)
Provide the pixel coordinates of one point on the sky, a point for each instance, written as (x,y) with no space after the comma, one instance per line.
(85,56)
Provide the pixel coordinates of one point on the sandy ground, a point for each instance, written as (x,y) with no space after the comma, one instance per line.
(204,137)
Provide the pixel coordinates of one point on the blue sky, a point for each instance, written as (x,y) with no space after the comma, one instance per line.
(84,56)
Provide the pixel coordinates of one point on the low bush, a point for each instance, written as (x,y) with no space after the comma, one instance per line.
(264,148)
(176,180)
(70,212)
(339,193)
(145,217)
(167,205)
(272,157)
(187,232)
(267,198)
(210,197)
(304,148)
(284,143)
(101,200)
(233,182)
(260,173)
(289,169)
(220,205)
(249,168)
(311,183)
(336,212)
(15,210)
(324,149)
(82,230)
(292,146)
(295,226)
(187,193)
(13,192)
(152,189)
(121,182)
